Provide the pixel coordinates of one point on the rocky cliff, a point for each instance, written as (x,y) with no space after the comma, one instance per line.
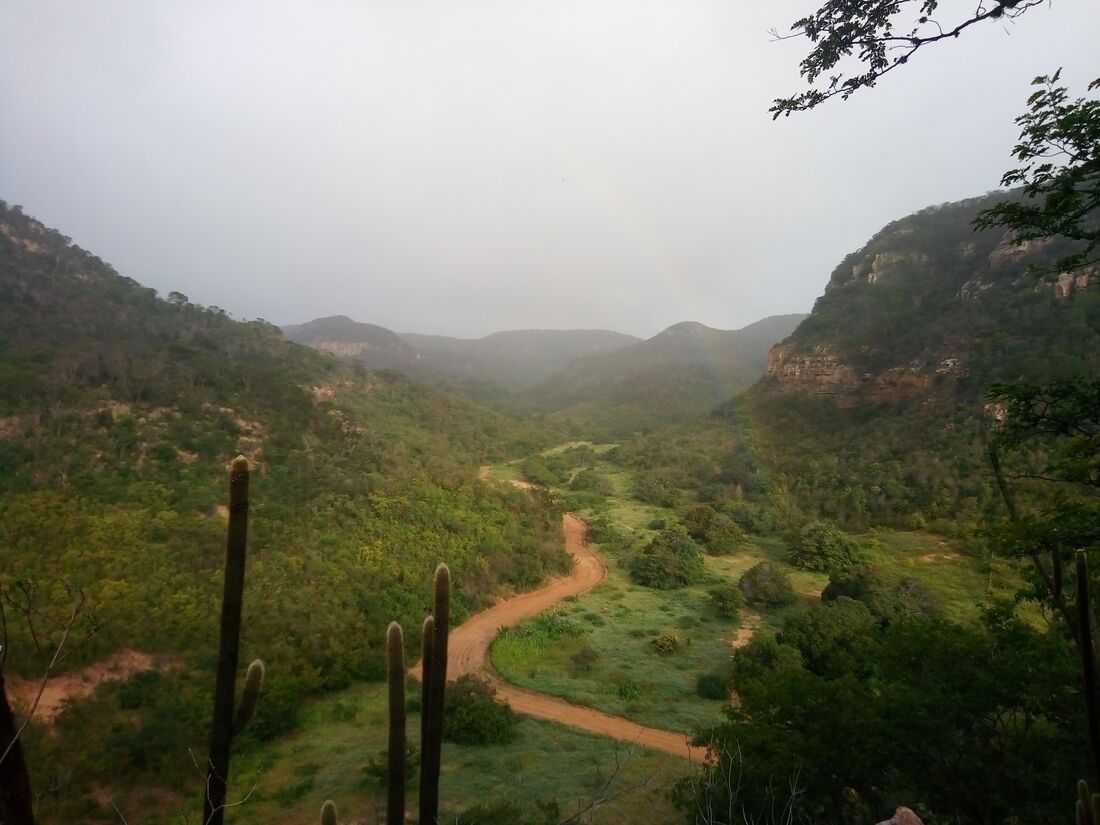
(929,308)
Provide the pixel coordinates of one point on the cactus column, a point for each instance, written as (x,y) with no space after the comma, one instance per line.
(435,684)
(395,766)
(224,725)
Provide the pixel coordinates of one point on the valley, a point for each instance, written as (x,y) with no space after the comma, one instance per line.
(700,552)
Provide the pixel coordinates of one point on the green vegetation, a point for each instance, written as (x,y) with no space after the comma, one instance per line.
(474,716)
(993,706)
(766,585)
(670,560)
(330,757)
(119,414)
(823,547)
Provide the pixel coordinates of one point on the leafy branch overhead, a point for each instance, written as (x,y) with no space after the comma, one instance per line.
(881,36)
(1059,172)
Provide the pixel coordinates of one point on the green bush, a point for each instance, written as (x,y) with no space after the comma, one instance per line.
(629,691)
(885,599)
(727,600)
(712,686)
(822,547)
(767,585)
(473,716)
(585,658)
(718,534)
(672,559)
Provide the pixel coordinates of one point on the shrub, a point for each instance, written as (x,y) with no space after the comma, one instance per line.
(657,524)
(656,488)
(669,561)
(602,531)
(473,716)
(378,768)
(767,585)
(629,691)
(712,686)
(727,600)
(585,658)
(589,481)
(883,597)
(823,547)
(718,534)
(667,643)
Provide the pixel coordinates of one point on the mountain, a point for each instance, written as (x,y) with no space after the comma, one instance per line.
(119,413)
(515,359)
(374,346)
(876,407)
(680,373)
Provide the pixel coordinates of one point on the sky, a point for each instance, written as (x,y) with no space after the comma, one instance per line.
(464,167)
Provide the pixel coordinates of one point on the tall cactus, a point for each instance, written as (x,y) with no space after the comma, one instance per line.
(435,680)
(1088,658)
(1088,805)
(226,724)
(395,770)
(433,641)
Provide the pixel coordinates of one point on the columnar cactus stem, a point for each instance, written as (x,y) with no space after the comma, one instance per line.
(395,771)
(328,813)
(250,697)
(432,755)
(1088,658)
(427,636)
(221,733)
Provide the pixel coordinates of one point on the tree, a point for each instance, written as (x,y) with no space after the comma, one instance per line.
(672,559)
(823,547)
(1059,154)
(880,36)
(767,585)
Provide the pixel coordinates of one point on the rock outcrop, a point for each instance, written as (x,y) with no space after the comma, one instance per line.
(902,816)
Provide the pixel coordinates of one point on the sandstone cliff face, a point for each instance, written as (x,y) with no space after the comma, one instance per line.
(932,311)
(823,374)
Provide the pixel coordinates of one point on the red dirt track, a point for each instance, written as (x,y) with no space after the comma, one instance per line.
(468,652)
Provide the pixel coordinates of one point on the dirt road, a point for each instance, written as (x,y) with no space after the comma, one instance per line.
(468,651)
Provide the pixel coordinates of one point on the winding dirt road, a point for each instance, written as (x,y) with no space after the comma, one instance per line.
(468,652)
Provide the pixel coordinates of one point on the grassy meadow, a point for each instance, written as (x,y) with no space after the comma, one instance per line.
(341,733)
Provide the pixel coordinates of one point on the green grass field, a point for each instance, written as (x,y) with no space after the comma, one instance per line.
(341,733)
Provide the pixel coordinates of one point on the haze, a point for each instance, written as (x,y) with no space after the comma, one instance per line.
(460,168)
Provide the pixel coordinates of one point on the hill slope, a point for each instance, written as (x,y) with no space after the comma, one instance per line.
(680,373)
(875,407)
(514,359)
(374,346)
(118,414)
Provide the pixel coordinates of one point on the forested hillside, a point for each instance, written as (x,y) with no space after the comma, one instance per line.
(119,412)
(678,374)
(876,409)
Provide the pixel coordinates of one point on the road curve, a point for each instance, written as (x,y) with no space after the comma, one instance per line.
(468,652)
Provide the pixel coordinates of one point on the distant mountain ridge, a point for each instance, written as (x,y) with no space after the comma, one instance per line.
(515,359)
(682,372)
(373,345)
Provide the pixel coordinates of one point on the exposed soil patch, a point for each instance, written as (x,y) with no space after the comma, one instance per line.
(79,684)
(935,558)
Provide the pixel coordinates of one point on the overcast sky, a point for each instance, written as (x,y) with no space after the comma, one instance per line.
(463,167)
